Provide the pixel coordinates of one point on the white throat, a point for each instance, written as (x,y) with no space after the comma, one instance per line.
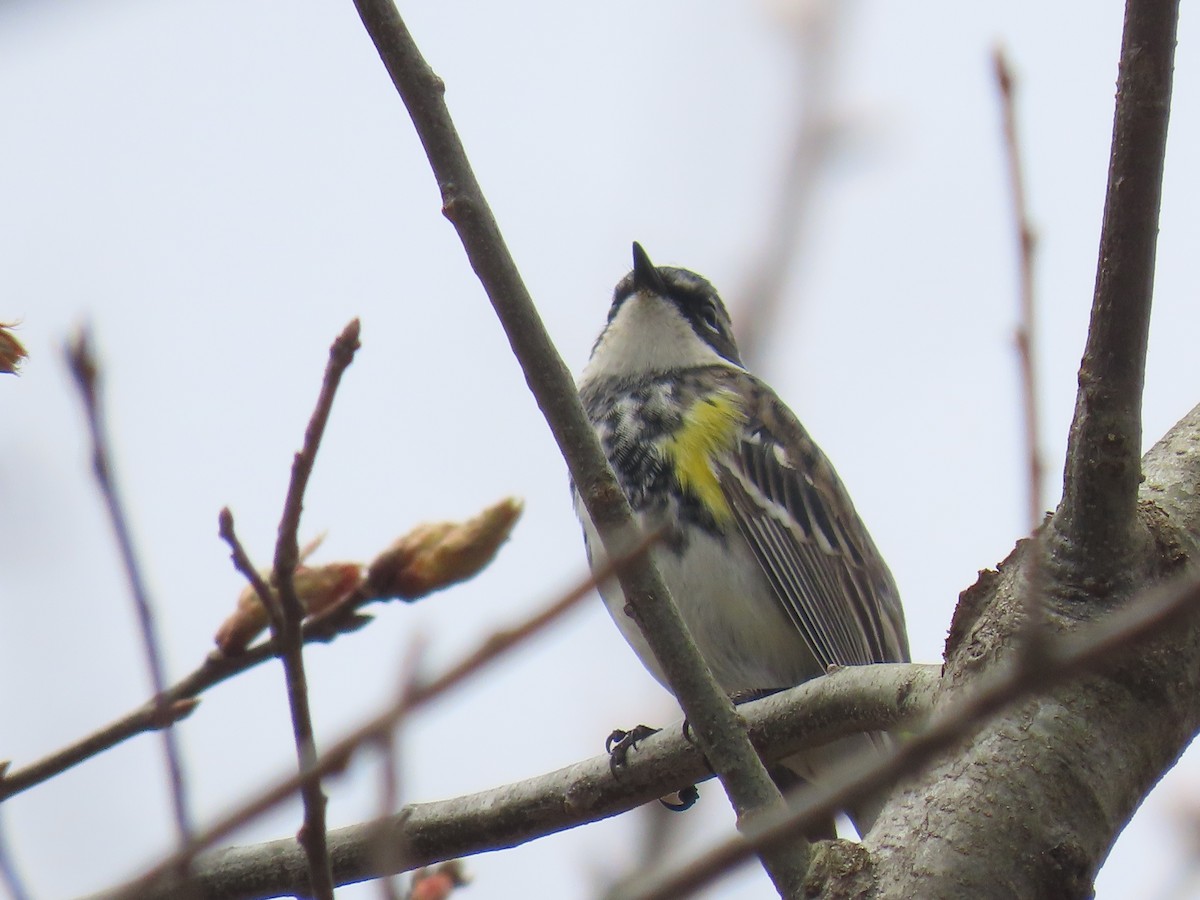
(649,335)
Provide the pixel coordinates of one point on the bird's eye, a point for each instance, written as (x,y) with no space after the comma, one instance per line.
(712,322)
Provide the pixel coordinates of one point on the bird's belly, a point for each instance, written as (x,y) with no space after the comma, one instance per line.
(739,627)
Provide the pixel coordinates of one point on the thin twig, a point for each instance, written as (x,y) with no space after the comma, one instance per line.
(337,757)
(715,723)
(1152,613)
(289,629)
(287,545)
(286,630)
(244,565)
(1026,327)
(815,133)
(286,612)
(181,698)
(8,872)
(389,794)
(1095,536)
(1033,632)
(85,371)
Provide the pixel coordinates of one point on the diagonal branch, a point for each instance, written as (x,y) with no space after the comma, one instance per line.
(175,703)
(85,372)
(714,720)
(1094,536)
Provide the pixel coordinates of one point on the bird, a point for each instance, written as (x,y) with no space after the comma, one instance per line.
(773,572)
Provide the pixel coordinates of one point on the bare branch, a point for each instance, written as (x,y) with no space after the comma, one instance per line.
(712,715)
(1095,537)
(286,629)
(850,700)
(388,740)
(814,30)
(85,371)
(179,701)
(1033,629)
(287,547)
(1026,327)
(243,563)
(286,612)
(8,872)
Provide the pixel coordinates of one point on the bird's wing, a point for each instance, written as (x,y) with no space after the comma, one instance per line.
(821,563)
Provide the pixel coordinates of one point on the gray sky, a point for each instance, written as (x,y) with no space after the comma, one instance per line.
(219,187)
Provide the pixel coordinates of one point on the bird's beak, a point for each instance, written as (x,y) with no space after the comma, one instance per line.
(645,276)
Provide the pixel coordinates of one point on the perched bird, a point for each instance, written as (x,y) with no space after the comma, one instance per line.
(764,554)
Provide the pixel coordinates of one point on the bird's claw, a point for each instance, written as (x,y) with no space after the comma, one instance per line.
(687,798)
(620,742)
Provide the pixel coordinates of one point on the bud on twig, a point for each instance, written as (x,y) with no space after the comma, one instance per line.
(11,350)
(318,587)
(439,554)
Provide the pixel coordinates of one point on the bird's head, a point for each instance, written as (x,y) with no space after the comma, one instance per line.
(662,319)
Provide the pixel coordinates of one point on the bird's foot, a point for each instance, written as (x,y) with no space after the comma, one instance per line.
(620,742)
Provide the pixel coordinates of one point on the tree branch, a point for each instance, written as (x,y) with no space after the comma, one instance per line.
(1159,608)
(1026,326)
(312,832)
(1094,537)
(712,715)
(9,875)
(816,134)
(85,372)
(850,700)
(286,627)
(177,703)
(1032,802)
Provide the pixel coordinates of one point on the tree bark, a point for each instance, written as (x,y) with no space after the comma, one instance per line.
(1030,806)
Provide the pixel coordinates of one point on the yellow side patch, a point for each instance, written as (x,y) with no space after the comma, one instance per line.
(710,428)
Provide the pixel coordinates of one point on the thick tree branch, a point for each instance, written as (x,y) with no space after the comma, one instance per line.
(1031,804)
(1161,607)
(84,370)
(848,701)
(713,717)
(1095,537)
